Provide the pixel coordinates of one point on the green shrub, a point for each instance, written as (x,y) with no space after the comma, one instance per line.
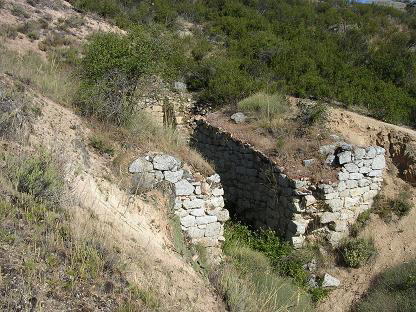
(357,252)
(283,258)
(313,113)
(17,112)
(114,63)
(225,82)
(393,290)
(106,8)
(19,11)
(8,31)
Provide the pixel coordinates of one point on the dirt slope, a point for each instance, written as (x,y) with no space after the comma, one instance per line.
(395,241)
(138,227)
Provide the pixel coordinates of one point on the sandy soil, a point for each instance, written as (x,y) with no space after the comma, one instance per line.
(55,12)
(138,226)
(394,241)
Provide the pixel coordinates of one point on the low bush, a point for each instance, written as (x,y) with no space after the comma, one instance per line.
(313,113)
(52,79)
(8,31)
(16,113)
(114,63)
(398,206)
(46,249)
(19,11)
(393,290)
(356,252)
(362,220)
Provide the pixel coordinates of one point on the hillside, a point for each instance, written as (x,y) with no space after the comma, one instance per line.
(91,92)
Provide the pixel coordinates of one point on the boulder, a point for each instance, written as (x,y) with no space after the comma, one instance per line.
(379,162)
(140,165)
(238,118)
(330,281)
(180,86)
(166,162)
(308,162)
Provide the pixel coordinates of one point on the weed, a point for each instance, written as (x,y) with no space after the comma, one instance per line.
(318,293)
(357,252)
(49,77)
(19,11)
(393,290)
(74,21)
(313,113)
(53,40)
(36,175)
(33,3)
(102,145)
(387,207)
(16,113)
(8,31)
(248,283)
(362,220)
(147,296)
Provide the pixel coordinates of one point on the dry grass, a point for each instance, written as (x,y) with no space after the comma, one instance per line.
(49,259)
(50,78)
(283,137)
(249,284)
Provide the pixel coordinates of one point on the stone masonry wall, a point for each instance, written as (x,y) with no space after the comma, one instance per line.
(264,196)
(198,202)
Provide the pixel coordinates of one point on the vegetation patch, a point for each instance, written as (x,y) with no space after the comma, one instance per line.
(259,262)
(114,63)
(362,220)
(393,290)
(249,283)
(398,206)
(357,54)
(46,263)
(16,112)
(356,252)
(102,145)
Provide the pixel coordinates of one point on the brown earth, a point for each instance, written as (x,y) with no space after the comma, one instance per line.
(395,241)
(137,225)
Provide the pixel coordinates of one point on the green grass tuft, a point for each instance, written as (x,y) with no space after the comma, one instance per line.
(393,290)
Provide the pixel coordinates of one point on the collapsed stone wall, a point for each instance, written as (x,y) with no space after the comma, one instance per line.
(168,105)
(197,201)
(264,196)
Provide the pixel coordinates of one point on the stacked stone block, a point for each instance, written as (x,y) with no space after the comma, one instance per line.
(199,203)
(261,194)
